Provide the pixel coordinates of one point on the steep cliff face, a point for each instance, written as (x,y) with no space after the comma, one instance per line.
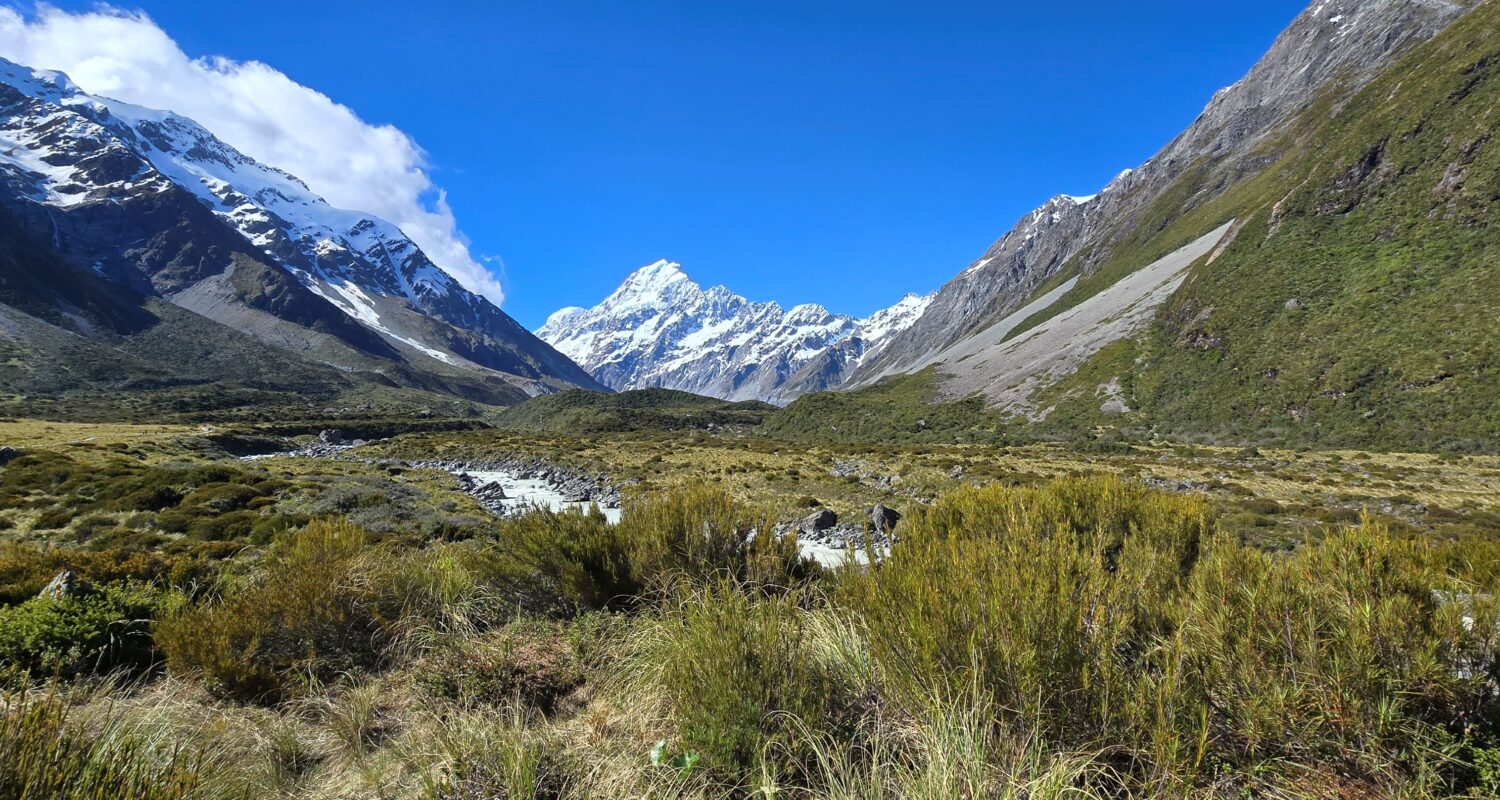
(660,329)
(1334,45)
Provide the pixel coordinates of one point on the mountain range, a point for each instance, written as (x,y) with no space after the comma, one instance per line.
(112,204)
(1312,260)
(660,329)
(1308,262)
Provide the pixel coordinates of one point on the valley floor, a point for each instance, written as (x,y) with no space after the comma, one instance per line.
(1112,619)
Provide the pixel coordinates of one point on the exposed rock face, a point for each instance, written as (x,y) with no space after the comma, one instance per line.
(155,204)
(64,584)
(661,329)
(1344,42)
(884,519)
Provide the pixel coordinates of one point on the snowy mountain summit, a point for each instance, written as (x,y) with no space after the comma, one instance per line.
(662,329)
(101,176)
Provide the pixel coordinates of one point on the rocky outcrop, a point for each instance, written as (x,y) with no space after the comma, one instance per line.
(884,519)
(65,584)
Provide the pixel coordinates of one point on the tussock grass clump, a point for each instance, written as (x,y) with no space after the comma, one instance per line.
(50,751)
(735,672)
(532,666)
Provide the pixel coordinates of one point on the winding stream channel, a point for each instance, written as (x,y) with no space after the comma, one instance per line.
(522,490)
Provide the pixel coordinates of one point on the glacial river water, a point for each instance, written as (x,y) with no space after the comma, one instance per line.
(531,493)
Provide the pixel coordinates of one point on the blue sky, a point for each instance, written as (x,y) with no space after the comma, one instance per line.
(813,151)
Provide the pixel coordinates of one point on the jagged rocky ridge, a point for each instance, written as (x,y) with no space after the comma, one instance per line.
(660,329)
(153,203)
(1340,42)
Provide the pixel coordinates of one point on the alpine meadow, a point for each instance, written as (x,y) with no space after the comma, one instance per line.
(1189,488)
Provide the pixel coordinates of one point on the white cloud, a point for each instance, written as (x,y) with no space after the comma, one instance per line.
(376,169)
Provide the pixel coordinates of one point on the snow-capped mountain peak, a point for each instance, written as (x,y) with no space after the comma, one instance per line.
(662,329)
(63,148)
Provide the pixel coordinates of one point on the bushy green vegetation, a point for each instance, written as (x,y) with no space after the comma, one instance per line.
(906,409)
(1036,632)
(578,411)
(122,503)
(1081,637)
(572,562)
(96,631)
(740,679)
(307,615)
(1101,615)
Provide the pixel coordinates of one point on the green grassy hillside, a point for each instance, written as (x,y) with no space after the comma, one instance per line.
(899,409)
(579,411)
(1358,303)
(1362,307)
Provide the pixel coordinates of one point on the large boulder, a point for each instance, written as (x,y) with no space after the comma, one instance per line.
(8,454)
(883,519)
(331,436)
(820,521)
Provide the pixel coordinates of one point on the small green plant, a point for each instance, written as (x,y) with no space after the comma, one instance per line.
(681,763)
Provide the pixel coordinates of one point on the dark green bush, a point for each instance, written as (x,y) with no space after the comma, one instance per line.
(93,632)
(53,519)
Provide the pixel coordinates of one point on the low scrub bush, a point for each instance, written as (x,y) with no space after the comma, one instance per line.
(308,614)
(699,534)
(1102,615)
(532,665)
(685,537)
(568,562)
(25,570)
(1045,596)
(1360,650)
